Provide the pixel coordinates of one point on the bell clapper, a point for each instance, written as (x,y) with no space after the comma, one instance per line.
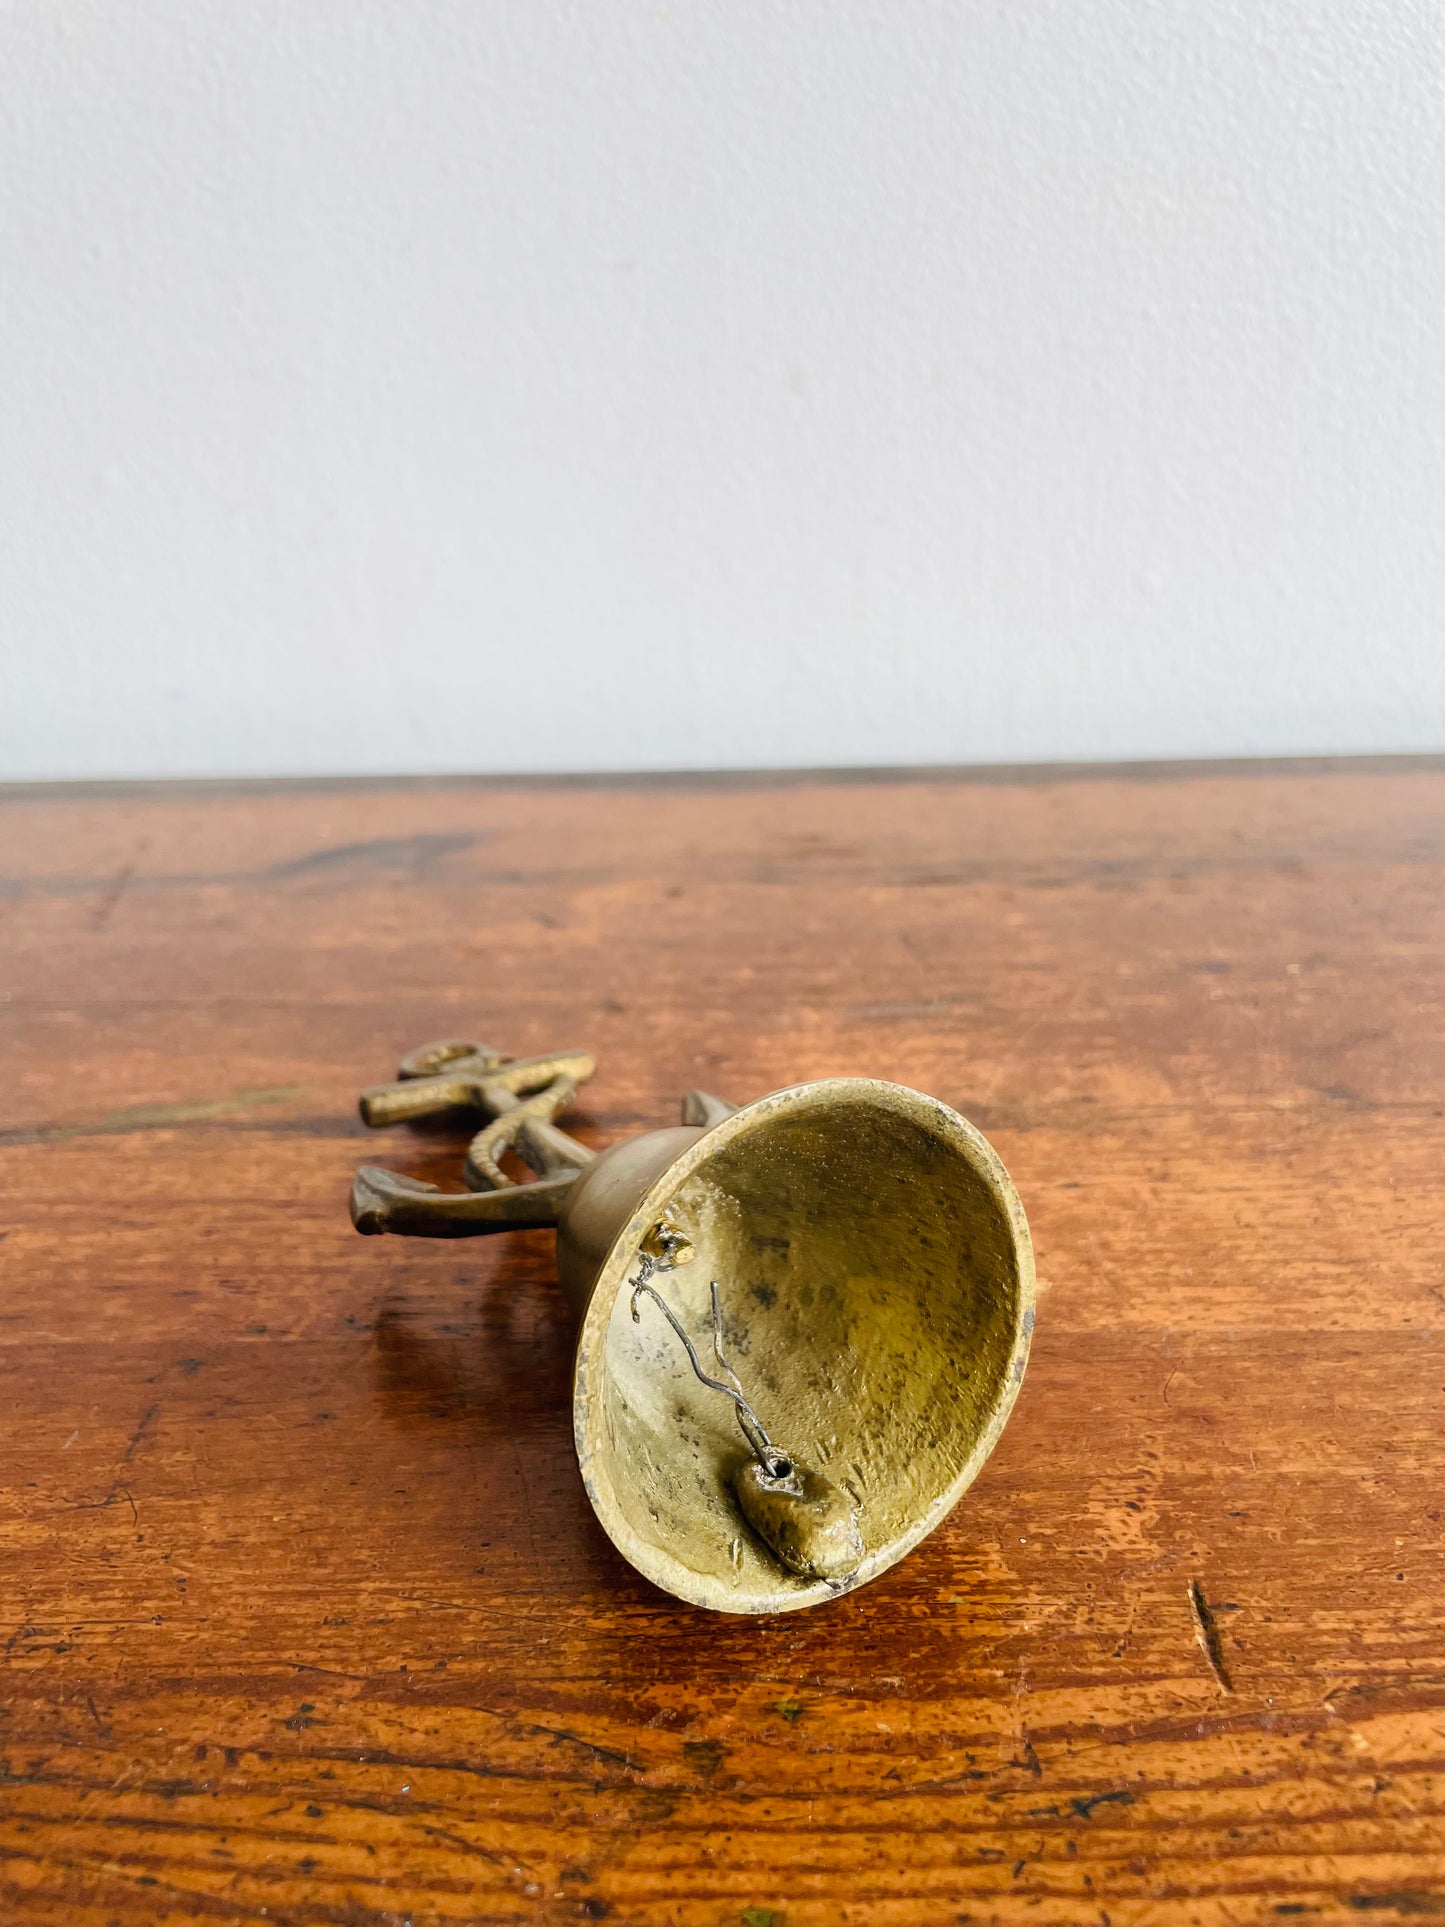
(805,1521)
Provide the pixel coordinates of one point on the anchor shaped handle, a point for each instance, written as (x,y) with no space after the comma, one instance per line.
(519,1097)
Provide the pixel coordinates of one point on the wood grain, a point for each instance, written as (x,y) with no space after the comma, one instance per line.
(306,1617)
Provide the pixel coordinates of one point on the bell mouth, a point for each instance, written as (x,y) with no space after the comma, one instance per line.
(876,1281)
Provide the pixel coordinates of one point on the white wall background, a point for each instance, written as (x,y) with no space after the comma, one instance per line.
(538,384)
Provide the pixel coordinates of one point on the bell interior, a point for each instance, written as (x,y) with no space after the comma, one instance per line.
(876,1284)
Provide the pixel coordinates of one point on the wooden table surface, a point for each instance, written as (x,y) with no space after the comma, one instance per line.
(307,1619)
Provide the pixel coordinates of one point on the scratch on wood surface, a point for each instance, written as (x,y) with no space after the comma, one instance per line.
(472,1846)
(1206,1631)
(142,1426)
(101,914)
(154,1117)
(409,854)
(610,1755)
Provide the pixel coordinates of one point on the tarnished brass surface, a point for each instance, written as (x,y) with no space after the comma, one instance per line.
(877,1273)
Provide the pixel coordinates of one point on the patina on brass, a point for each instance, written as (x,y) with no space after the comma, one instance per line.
(876,1279)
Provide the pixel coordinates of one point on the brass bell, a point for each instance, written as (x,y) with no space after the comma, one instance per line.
(802,1323)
